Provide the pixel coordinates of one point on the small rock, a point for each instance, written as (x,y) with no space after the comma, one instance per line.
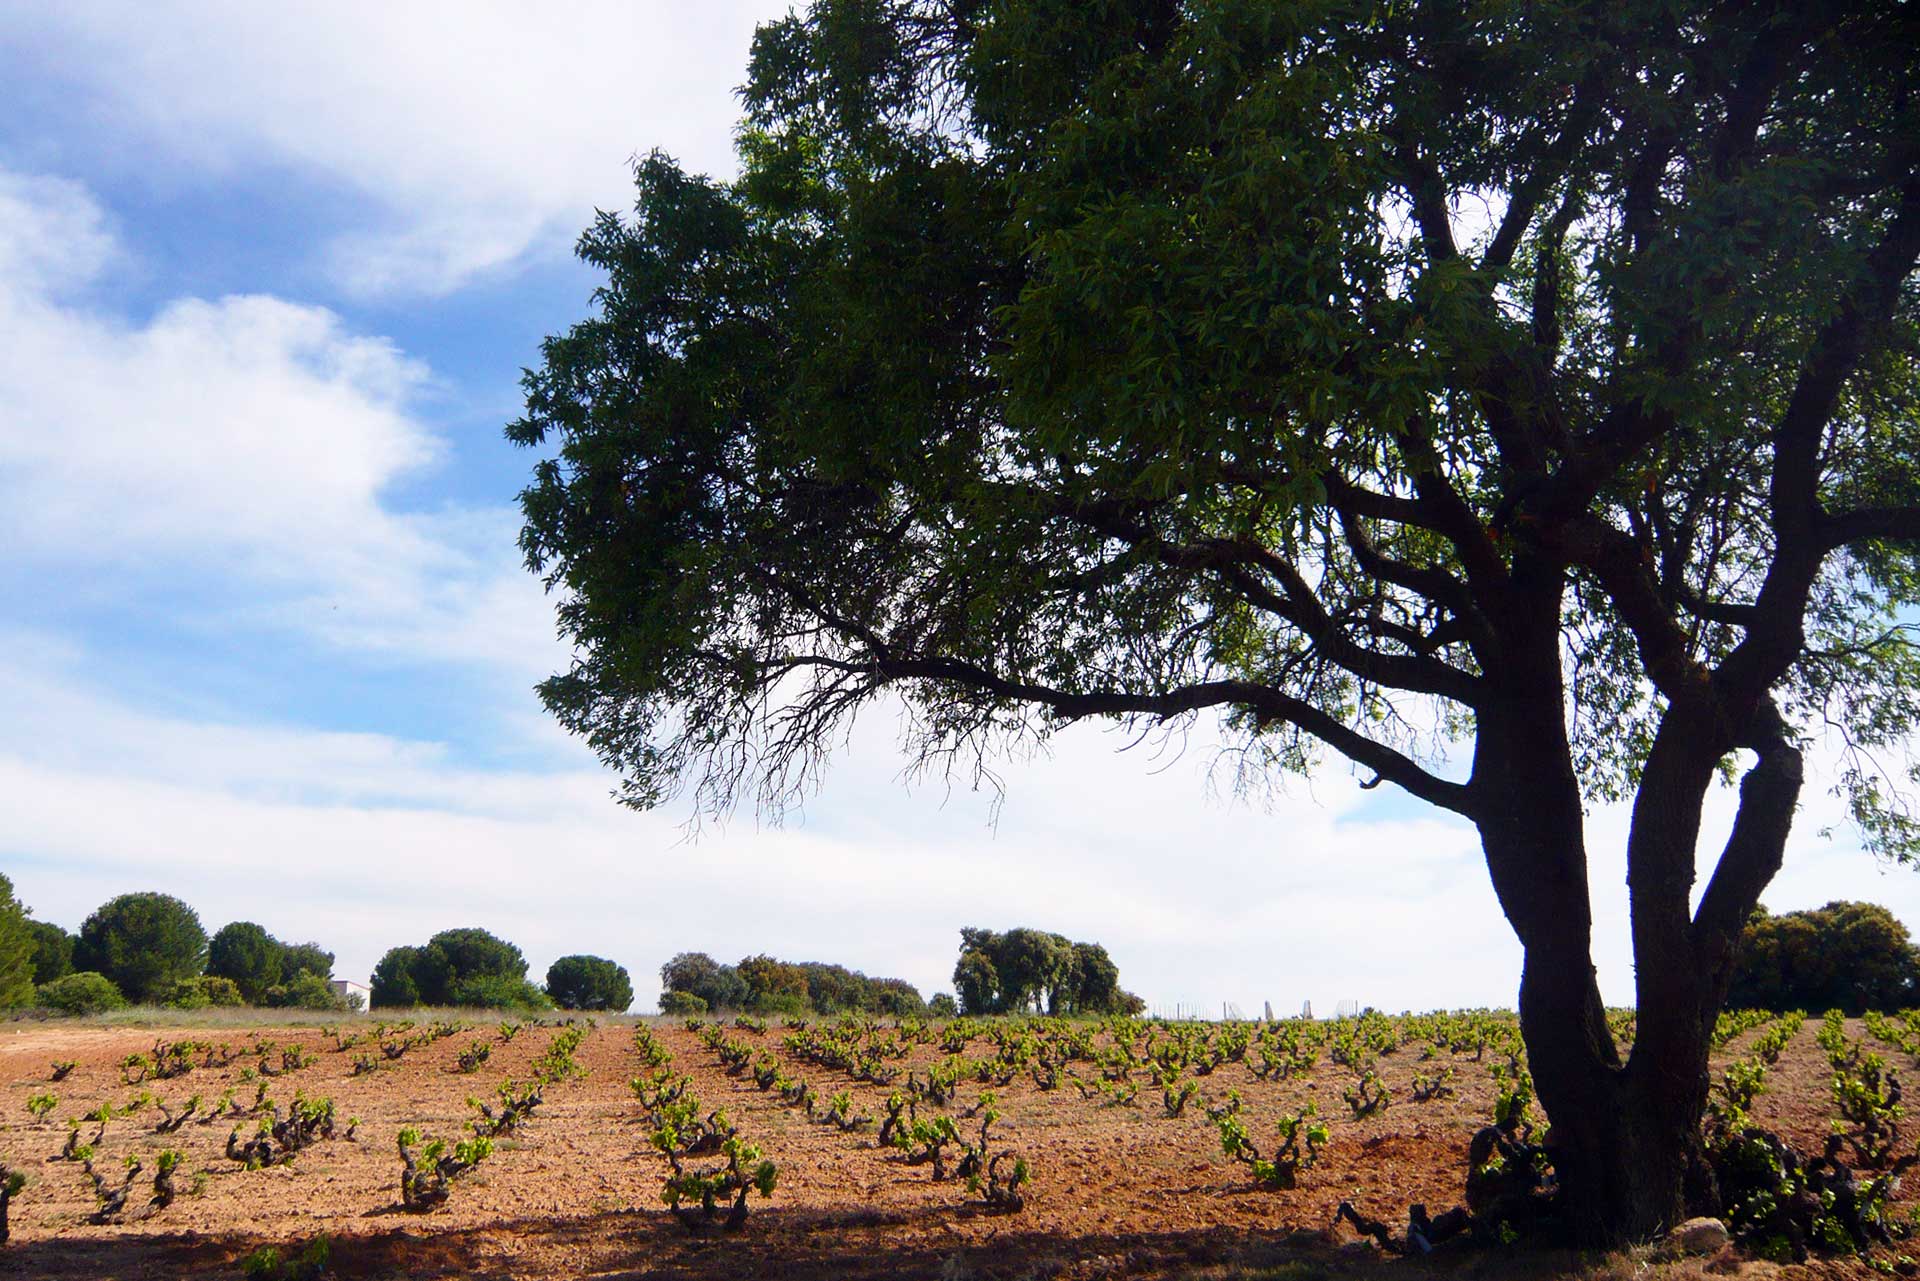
(1698,1236)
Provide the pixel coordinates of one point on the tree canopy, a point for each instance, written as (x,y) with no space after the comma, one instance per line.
(1847,956)
(143,943)
(1516,400)
(1031,971)
(467,966)
(589,983)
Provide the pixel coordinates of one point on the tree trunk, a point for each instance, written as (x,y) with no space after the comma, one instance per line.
(1625,1141)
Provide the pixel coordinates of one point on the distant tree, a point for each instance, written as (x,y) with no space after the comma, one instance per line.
(476,953)
(676,1002)
(393,985)
(52,951)
(305,958)
(943,1006)
(455,967)
(774,986)
(583,982)
(144,943)
(246,954)
(1850,956)
(975,979)
(83,992)
(17,947)
(896,997)
(720,986)
(1026,970)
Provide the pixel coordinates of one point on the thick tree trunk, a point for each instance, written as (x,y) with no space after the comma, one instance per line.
(1625,1141)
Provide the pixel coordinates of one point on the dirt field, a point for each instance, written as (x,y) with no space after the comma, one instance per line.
(1118,1191)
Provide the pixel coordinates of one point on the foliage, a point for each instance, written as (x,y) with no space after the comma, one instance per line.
(18,947)
(52,951)
(144,943)
(1851,956)
(589,983)
(682,1003)
(1027,970)
(84,992)
(456,967)
(942,1006)
(305,990)
(248,956)
(311,1264)
(428,1170)
(768,985)
(203,991)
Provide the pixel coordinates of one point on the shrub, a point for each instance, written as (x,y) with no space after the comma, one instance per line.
(498,992)
(86,992)
(144,943)
(681,1003)
(589,983)
(208,989)
(943,1006)
(306,991)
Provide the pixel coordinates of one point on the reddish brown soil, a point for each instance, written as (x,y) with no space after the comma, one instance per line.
(1117,1192)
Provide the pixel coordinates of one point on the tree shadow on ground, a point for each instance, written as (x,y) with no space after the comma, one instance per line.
(785,1244)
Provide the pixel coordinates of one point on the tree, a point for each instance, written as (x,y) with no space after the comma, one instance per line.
(1380,380)
(392,985)
(305,958)
(589,983)
(52,951)
(455,967)
(249,956)
(18,944)
(1850,956)
(144,943)
(698,974)
(1031,971)
(773,986)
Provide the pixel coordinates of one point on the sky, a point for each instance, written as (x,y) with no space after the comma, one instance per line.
(268,278)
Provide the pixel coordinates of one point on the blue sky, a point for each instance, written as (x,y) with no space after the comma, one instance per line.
(268,276)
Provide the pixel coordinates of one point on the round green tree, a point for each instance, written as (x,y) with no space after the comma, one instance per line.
(144,943)
(249,956)
(584,982)
(1515,400)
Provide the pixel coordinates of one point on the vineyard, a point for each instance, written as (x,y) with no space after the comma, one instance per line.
(873,1147)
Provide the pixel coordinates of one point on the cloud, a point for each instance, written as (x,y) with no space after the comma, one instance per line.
(364,841)
(475,133)
(246,447)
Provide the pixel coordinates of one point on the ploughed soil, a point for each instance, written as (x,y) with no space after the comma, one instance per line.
(1117,1192)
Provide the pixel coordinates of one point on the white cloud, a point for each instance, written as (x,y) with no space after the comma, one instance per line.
(365,841)
(247,445)
(478,132)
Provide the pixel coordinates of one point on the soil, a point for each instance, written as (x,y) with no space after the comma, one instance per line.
(1117,1192)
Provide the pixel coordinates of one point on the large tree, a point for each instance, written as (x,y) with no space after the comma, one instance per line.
(144,943)
(1515,399)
